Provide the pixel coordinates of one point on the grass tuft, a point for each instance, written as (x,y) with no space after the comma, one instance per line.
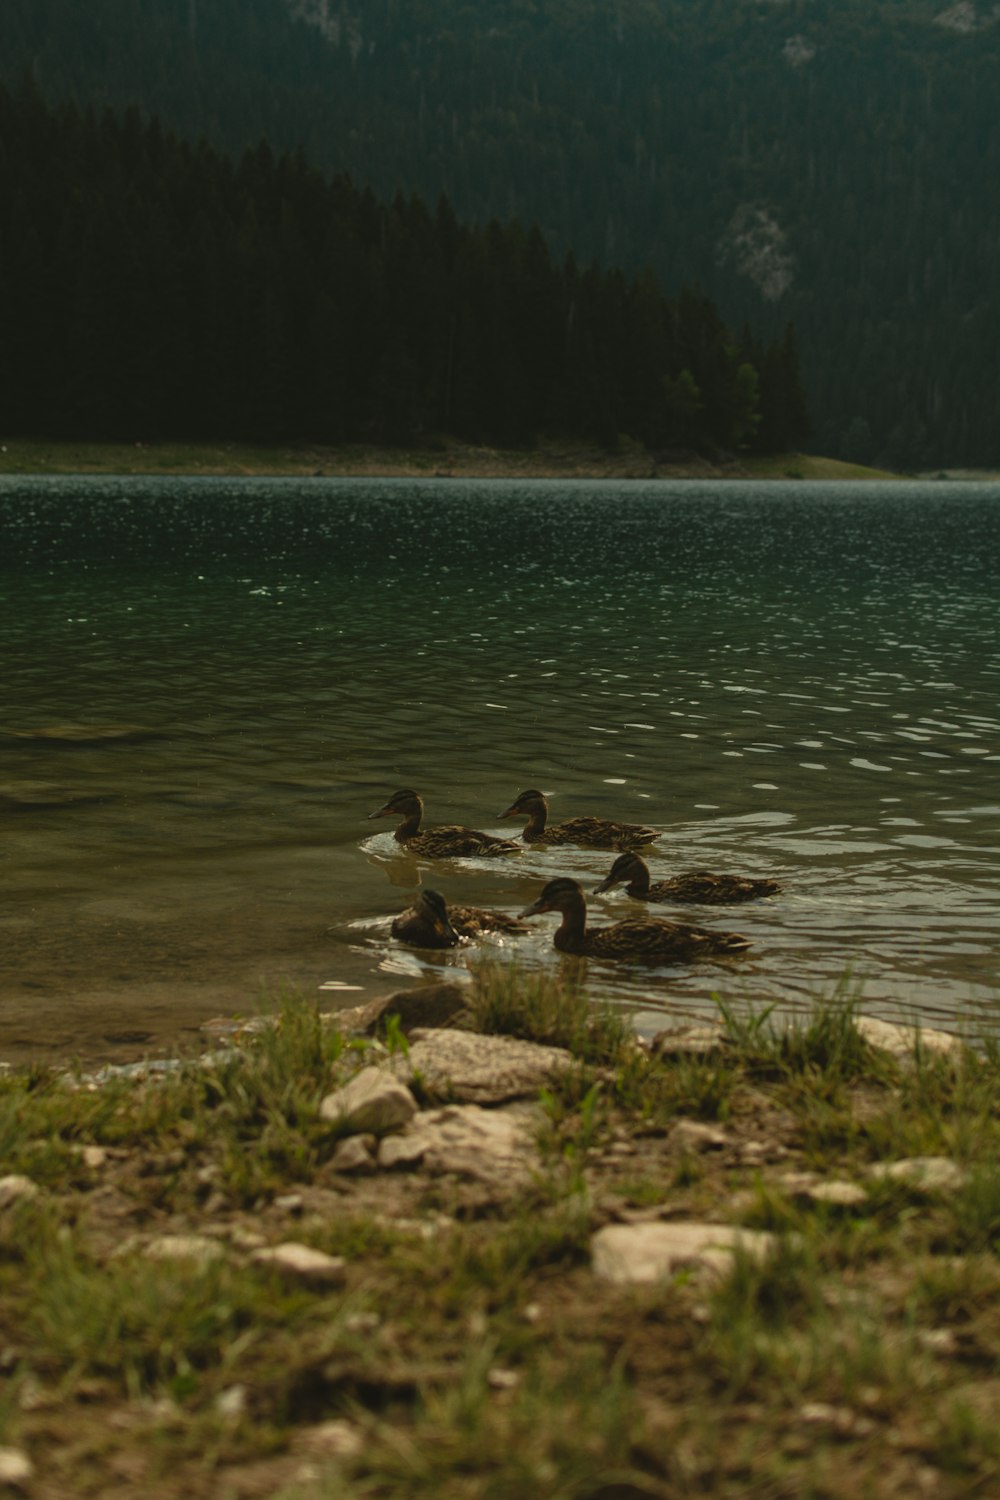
(551,1009)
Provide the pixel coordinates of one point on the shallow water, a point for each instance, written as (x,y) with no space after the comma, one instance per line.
(209,684)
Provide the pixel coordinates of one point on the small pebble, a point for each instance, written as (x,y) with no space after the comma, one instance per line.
(16,1468)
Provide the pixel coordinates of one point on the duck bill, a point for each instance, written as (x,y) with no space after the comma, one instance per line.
(510,813)
(606,884)
(535,908)
(383,812)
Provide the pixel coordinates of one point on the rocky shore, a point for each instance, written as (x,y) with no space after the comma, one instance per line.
(492,1245)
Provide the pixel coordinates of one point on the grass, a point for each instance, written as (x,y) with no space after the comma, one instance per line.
(442,457)
(470,1350)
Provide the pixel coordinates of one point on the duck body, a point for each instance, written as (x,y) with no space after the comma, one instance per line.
(587,832)
(431,923)
(446,841)
(636,940)
(701,887)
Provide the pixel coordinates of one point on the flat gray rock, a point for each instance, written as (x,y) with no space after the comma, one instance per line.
(17,1189)
(16,1468)
(695,1135)
(194,1247)
(428,1005)
(903,1041)
(479,1069)
(356,1153)
(637,1253)
(810,1187)
(489,1145)
(302,1263)
(691,1039)
(929,1174)
(373,1103)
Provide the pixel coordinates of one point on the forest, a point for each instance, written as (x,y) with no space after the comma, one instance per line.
(158,289)
(831,164)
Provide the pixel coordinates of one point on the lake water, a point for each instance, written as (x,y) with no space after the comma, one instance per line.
(208,684)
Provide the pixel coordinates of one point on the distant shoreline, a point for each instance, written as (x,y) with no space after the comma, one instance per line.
(445,460)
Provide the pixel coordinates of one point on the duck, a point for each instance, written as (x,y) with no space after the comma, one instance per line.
(431,923)
(589,832)
(636,940)
(447,841)
(632,871)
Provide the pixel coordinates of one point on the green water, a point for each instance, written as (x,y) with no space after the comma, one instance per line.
(209,684)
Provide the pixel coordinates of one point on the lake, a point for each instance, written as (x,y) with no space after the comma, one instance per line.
(210,683)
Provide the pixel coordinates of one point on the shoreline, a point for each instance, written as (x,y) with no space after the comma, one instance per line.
(446,460)
(448,1251)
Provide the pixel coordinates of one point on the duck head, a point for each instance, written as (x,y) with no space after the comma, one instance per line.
(400,805)
(529,804)
(627,868)
(432,906)
(559,895)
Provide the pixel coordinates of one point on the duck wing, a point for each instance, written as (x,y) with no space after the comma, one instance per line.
(451,841)
(599,833)
(470,921)
(709,889)
(657,941)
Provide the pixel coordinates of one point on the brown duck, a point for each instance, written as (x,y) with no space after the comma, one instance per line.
(447,841)
(636,940)
(632,871)
(431,923)
(589,832)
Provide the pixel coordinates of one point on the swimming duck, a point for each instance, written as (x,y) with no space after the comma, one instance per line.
(588,832)
(431,923)
(632,871)
(448,841)
(639,939)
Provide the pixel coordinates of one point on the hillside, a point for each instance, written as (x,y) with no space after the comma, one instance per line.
(833,163)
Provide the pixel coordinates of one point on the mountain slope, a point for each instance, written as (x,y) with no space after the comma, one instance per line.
(831,162)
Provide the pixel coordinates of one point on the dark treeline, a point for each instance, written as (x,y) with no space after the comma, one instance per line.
(154,289)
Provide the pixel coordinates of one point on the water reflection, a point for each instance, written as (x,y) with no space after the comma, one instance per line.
(791,683)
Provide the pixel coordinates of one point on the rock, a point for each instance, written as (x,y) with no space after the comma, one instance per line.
(406,1150)
(336,1438)
(429,1005)
(838,1194)
(290,1203)
(94,1157)
(810,1187)
(302,1263)
(355,1154)
(17,1189)
(841,1419)
(362,1322)
(480,1069)
(692,1135)
(232,1402)
(678,1040)
(928,1174)
(904,1041)
(486,1144)
(195,1247)
(626,1253)
(374,1102)
(16,1468)
(244,1239)
(938,1341)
